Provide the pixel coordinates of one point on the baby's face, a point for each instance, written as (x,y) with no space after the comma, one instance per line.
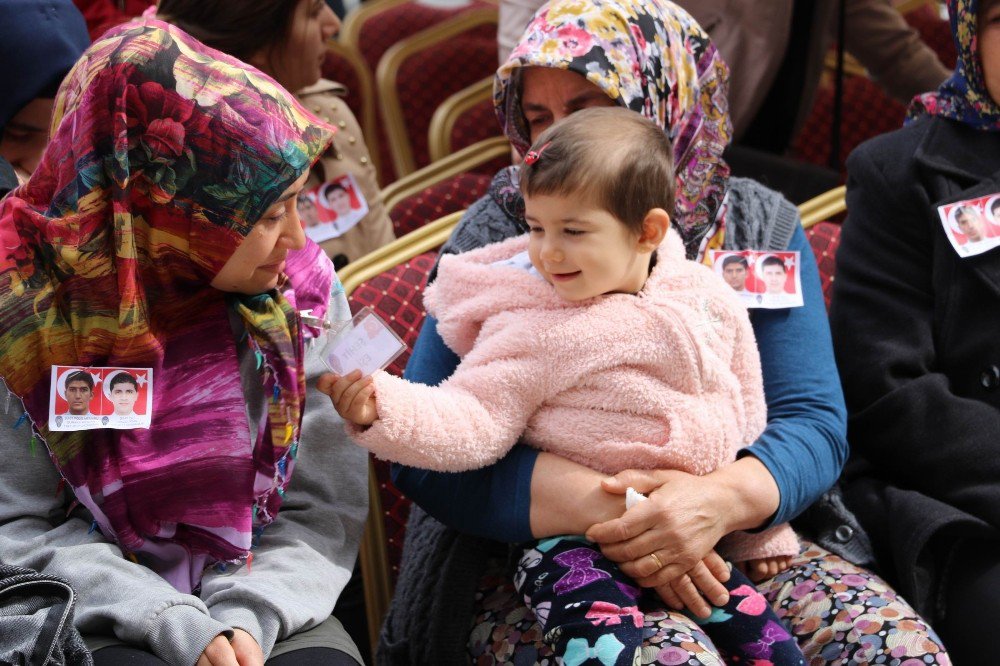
(581,250)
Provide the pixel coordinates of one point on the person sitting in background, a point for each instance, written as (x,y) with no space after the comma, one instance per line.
(40,40)
(287,39)
(915,325)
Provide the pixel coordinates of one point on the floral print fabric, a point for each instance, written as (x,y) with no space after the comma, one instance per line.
(839,614)
(963,96)
(163,157)
(649,56)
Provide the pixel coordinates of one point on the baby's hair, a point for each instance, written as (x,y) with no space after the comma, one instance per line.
(773,261)
(615,158)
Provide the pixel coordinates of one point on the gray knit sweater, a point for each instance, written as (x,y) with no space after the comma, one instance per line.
(302,564)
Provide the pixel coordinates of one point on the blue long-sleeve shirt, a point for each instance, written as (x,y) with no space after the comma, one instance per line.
(804,445)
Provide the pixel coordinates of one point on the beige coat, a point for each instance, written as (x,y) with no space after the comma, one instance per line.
(347,155)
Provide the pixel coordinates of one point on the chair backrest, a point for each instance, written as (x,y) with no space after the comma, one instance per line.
(444,186)
(867,112)
(425,69)
(377,25)
(344,65)
(821,219)
(391,281)
(463,119)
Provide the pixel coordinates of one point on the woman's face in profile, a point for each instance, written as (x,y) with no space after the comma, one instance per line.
(548,95)
(989,46)
(257,263)
(298,62)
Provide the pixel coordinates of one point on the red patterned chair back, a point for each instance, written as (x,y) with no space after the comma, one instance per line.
(375,27)
(419,73)
(866,112)
(463,119)
(446,185)
(391,281)
(821,218)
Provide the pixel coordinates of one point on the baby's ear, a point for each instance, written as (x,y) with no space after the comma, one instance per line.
(654,227)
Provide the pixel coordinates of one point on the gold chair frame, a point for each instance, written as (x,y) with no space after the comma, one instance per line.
(350,31)
(367,120)
(400,146)
(452,165)
(823,207)
(373,553)
(447,114)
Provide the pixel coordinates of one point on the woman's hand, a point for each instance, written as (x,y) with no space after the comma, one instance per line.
(242,650)
(703,582)
(353,396)
(684,517)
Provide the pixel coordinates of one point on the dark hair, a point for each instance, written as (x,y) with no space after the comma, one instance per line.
(773,261)
(620,160)
(123,378)
(995,205)
(240,28)
(965,210)
(734,259)
(81,376)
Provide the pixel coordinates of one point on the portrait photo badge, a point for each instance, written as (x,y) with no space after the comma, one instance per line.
(88,398)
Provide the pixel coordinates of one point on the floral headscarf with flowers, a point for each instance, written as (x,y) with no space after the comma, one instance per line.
(649,56)
(164,155)
(963,96)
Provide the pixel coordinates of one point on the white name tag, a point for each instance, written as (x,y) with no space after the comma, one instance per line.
(90,398)
(365,343)
(972,226)
(769,280)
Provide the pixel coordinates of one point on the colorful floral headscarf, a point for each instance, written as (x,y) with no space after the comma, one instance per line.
(165,153)
(649,56)
(963,96)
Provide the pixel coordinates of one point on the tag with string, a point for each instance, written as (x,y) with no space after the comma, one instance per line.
(364,343)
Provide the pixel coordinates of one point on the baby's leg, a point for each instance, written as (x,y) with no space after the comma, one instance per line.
(747,628)
(584,603)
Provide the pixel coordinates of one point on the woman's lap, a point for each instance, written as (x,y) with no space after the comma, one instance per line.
(840,614)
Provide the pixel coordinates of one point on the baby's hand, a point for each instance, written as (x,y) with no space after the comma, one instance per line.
(353,396)
(764,568)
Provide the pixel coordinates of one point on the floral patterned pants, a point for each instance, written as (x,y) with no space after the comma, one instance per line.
(838,612)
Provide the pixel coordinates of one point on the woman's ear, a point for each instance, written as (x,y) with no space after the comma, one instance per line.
(654,227)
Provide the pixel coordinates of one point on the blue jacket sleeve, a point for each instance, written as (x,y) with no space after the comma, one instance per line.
(492,502)
(804,445)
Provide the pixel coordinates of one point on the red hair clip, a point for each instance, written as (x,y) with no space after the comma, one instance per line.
(534,155)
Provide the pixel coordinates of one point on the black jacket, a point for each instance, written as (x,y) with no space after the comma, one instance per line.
(916,332)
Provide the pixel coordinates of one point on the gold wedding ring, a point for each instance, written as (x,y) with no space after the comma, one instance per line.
(659,564)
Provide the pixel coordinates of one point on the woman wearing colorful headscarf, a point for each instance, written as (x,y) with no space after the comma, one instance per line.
(650,57)
(159,234)
(915,319)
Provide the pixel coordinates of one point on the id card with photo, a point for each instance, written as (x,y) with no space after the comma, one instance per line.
(365,343)
(331,209)
(89,398)
(769,280)
(972,226)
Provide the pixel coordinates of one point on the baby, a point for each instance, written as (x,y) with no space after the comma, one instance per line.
(594,338)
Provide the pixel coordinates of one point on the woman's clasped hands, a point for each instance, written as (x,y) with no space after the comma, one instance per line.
(667,542)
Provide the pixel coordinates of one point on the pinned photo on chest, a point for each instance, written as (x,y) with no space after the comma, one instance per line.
(761,279)
(972,225)
(87,398)
(331,209)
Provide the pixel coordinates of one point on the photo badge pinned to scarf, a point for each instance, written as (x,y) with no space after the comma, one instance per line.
(331,209)
(973,225)
(762,279)
(83,398)
(364,343)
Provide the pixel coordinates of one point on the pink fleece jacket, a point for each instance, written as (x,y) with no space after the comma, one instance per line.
(668,378)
